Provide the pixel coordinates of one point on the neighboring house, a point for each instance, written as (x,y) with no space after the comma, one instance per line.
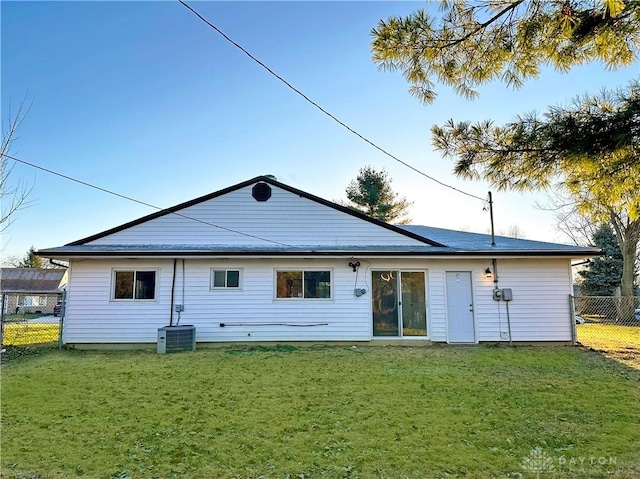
(263,261)
(31,290)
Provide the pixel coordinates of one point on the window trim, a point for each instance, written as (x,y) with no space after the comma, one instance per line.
(112,294)
(303,270)
(212,271)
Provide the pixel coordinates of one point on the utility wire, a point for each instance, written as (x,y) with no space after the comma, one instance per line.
(129,198)
(134,200)
(333,117)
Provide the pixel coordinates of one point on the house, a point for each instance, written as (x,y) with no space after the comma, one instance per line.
(31,290)
(263,261)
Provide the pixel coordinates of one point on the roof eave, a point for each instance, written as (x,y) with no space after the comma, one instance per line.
(314,253)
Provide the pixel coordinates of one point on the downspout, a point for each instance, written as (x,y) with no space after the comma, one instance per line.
(183,280)
(572,310)
(2,320)
(173,288)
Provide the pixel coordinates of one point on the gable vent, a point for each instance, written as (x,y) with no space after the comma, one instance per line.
(261,192)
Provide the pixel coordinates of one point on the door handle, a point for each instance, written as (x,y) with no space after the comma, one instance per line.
(471,307)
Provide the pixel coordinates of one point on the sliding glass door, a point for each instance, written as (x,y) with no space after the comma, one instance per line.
(384,295)
(413,304)
(399,303)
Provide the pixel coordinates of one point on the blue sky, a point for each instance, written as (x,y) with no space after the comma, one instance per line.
(144,99)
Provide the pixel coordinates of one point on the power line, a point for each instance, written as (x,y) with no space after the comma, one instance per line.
(129,198)
(330,115)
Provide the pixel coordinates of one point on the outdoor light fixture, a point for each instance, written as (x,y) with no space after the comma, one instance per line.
(488,273)
(354,265)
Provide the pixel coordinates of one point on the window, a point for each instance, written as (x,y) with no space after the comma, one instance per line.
(32,301)
(225,278)
(303,284)
(134,285)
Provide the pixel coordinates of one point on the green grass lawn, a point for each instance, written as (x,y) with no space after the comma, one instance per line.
(361,412)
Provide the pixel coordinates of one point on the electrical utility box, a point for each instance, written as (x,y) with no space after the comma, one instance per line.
(504,294)
(174,339)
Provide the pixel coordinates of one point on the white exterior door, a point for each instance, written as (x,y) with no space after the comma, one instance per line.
(460,307)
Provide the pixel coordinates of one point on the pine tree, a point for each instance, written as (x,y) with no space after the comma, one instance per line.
(30,260)
(603,274)
(370,193)
(468,44)
(588,149)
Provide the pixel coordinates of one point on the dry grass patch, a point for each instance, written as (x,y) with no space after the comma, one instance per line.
(618,342)
(24,334)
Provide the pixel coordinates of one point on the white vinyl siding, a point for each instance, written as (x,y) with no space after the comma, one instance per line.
(540,307)
(248,315)
(285,219)
(539,310)
(437,313)
(93,317)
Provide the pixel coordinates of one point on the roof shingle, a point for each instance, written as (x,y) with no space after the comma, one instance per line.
(31,280)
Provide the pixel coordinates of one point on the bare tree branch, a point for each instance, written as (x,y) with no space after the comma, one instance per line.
(13,197)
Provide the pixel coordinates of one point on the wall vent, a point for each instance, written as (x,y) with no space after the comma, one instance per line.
(173,339)
(261,192)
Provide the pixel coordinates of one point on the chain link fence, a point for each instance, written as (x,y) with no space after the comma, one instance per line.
(610,324)
(31,319)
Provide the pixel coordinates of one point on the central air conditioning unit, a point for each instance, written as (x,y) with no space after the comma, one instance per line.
(174,339)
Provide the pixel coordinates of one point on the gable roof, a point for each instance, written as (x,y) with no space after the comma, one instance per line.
(431,242)
(31,280)
(258,179)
